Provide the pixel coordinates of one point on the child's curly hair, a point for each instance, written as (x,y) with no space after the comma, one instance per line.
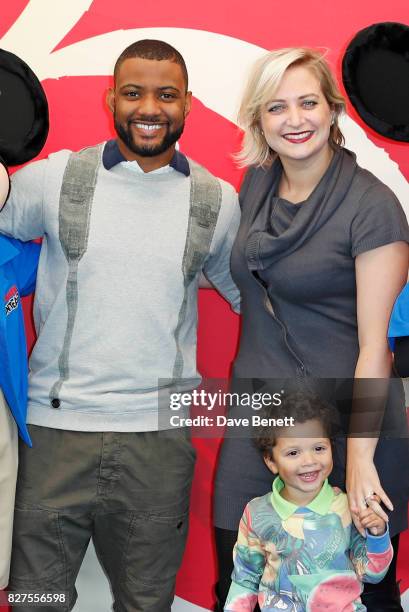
(302,407)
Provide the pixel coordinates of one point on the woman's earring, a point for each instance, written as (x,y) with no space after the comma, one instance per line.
(332,119)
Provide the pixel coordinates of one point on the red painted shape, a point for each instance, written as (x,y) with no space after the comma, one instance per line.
(78,117)
(403,561)
(272,24)
(10,11)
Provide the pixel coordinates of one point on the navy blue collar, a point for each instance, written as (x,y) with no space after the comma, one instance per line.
(112,156)
(8,249)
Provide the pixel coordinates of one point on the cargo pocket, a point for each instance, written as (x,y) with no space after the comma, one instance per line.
(38,557)
(155,547)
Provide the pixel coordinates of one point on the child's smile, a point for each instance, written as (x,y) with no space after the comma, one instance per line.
(303,461)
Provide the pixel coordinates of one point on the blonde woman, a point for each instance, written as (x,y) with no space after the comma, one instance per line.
(320,257)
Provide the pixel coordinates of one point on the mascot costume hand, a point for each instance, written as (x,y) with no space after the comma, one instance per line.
(23,132)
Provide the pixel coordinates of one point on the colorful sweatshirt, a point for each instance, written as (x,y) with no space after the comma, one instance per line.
(303,559)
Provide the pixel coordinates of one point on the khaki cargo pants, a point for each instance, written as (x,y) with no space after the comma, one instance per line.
(129,492)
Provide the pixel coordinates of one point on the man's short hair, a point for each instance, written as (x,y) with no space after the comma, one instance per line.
(152,50)
(302,407)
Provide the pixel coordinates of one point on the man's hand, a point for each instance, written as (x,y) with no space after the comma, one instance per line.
(4,185)
(204,283)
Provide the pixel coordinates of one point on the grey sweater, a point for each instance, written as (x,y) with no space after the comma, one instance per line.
(130,291)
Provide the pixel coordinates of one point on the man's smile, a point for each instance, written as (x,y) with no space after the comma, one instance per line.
(149,127)
(146,128)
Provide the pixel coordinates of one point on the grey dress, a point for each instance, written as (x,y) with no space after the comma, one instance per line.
(295,267)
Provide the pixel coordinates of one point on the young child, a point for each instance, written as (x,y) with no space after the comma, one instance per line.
(297,548)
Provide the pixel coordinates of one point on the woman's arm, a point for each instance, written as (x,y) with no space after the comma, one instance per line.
(380,275)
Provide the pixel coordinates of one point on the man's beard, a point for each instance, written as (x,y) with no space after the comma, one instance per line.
(169,139)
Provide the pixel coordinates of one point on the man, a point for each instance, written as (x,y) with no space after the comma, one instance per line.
(127,228)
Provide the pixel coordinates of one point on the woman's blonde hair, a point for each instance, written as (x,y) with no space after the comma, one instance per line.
(264,81)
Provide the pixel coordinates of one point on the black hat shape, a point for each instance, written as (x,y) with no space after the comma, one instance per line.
(23,111)
(375,71)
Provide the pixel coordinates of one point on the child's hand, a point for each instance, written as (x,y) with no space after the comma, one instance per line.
(371,521)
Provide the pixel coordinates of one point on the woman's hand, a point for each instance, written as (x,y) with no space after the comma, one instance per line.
(363,484)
